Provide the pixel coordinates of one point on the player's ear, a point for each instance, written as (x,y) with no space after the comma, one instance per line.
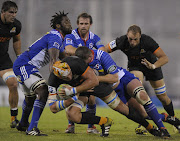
(58,25)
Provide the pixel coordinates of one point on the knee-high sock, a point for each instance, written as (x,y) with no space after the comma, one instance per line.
(162,116)
(153,114)
(169,109)
(88,118)
(38,108)
(136,117)
(26,112)
(91,109)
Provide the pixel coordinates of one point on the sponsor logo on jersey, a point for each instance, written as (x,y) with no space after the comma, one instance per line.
(56,45)
(142,51)
(13,30)
(68,41)
(91,45)
(97,66)
(4,39)
(112,68)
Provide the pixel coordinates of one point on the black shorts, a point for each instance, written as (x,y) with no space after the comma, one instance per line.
(153,75)
(5,63)
(102,90)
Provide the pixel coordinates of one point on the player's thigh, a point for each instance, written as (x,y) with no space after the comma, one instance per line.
(138,74)
(157,84)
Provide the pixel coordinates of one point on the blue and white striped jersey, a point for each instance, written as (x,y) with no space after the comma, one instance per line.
(37,54)
(104,64)
(74,39)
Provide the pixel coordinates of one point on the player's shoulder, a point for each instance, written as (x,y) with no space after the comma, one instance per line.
(122,38)
(144,36)
(54,33)
(146,39)
(74,34)
(71,36)
(17,22)
(100,53)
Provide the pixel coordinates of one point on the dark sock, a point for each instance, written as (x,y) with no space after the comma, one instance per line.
(169,109)
(91,109)
(136,117)
(88,118)
(14,112)
(26,108)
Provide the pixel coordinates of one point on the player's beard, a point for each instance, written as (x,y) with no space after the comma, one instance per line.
(66,30)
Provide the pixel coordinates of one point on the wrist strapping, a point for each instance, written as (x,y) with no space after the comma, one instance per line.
(70,92)
(153,66)
(75,98)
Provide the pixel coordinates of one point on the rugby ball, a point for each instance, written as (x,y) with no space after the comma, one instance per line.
(62,86)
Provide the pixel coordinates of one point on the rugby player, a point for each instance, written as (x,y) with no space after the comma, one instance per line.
(10,27)
(145,59)
(125,84)
(75,72)
(26,67)
(82,36)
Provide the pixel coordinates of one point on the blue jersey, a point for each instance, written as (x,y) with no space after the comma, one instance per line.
(104,64)
(37,54)
(74,39)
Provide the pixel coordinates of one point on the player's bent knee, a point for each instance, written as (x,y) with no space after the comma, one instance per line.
(138,94)
(113,100)
(53,109)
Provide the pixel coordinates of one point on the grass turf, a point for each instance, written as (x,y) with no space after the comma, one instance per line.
(55,124)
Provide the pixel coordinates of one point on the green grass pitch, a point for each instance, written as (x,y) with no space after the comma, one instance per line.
(55,124)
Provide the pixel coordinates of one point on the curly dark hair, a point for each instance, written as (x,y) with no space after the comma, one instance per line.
(57,18)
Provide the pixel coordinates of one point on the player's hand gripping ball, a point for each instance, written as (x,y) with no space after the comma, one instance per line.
(61,91)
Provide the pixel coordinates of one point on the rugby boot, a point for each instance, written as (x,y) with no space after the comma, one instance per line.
(164,133)
(155,132)
(35,132)
(14,122)
(140,130)
(70,129)
(106,127)
(93,130)
(173,121)
(22,127)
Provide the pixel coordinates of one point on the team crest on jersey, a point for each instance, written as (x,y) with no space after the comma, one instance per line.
(91,45)
(142,51)
(97,66)
(56,45)
(13,30)
(68,41)
(112,68)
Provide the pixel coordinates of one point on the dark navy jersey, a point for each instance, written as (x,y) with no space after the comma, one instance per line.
(7,31)
(78,68)
(145,49)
